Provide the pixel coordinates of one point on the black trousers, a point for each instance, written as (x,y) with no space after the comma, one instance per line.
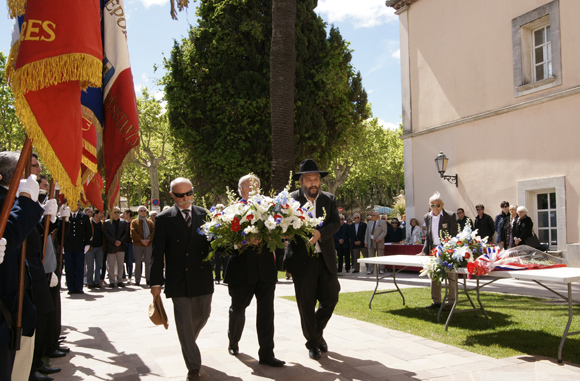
(317,283)
(6,363)
(41,342)
(54,321)
(242,295)
(343,255)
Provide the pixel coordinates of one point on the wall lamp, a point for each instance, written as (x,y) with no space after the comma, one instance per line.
(441,163)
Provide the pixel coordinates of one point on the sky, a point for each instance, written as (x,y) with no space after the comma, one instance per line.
(371,28)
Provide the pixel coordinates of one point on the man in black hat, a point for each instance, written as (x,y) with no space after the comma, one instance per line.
(315,276)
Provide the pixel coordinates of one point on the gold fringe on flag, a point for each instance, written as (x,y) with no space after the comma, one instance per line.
(53,165)
(11,62)
(40,74)
(16,8)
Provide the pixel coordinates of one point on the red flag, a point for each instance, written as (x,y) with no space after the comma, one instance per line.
(121,131)
(58,54)
(92,192)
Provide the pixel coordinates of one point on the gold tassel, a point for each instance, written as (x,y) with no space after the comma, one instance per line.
(16,8)
(38,75)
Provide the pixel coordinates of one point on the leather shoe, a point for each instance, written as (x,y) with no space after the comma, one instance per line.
(63,349)
(272,361)
(37,376)
(433,306)
(447,307)
(233,350)
(323,346)
(193,375)
(56,354)
(314,353)
(48,370)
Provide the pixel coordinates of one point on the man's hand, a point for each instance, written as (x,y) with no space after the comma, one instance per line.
(155,291)
(341,241)
(117,243)
(366,245)
(145,242)
(357,243)
(517,240)
(315,237)
(50,209)
(64,212)
(2,249)
(87,247)
(28,188)
(377,240)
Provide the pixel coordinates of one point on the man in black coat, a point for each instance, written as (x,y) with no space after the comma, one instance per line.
(24,216)
(188,278)
(357,232)
(342,244)
(252,272)
(76,243)
(315,277)
(483,223)
(438,221)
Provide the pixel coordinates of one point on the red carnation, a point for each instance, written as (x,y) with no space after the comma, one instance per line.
(250,217)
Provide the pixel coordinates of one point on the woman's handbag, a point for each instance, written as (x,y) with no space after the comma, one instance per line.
(533,241)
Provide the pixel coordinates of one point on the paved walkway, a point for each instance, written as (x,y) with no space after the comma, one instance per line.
(111,338)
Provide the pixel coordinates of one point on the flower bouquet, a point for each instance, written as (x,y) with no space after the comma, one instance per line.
(518,258)
(257,221)
(453,253)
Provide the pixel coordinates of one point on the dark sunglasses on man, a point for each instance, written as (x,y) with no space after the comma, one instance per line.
(181,195)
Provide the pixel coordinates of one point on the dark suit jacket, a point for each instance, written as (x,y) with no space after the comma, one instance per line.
(40,290)
(297,256)
(447,223)
(183,250)
(523,229)
(362,229)
(342,233)
(23,217)
(111,235)
(251,266)
(78,232)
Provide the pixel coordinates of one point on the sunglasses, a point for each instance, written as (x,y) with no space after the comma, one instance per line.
(142,211)
(435,205)
(117,212)
(479,209)
(181,195)
(357,218)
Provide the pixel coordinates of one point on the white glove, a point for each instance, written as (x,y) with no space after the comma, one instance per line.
(29,186)
(2,249)
(53,280)
(50,209)
(64,212)
(87,248)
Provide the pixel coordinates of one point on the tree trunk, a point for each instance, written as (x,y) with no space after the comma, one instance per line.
(154,185)
(282,69)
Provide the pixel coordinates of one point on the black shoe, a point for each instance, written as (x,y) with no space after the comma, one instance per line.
(433,306)
(447,307)
(121,284)
(323,346)
(339,271)
(56,354)
(272,361)
(355,271)
(48,370)
(233,350)
(314,353)
(91,286)
(111,285)
(62,338)
(37,376)
(63,349)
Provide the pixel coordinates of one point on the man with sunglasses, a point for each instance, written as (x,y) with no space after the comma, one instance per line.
(116,232)
(188,278)
(438,221)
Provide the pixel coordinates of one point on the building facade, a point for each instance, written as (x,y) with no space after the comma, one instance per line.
(495,85)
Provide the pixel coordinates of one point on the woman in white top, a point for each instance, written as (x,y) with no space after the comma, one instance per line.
(414,233)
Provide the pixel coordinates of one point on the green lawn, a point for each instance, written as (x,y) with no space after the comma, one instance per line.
(519,325)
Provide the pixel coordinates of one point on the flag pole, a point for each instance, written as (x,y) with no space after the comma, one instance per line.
(23,163)
(47,219)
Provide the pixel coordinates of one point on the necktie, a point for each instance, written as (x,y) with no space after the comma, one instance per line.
(187,217)
(373,229)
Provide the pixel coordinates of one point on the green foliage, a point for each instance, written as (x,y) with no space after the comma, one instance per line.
(376,170)
(217,88)
(11,131)
(519,325)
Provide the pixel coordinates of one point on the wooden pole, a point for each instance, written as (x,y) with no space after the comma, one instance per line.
(23,166)
(47,220)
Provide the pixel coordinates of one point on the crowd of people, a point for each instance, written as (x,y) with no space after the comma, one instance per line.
(91,247)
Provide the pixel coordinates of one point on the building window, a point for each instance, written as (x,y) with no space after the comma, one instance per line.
(536,49)
(542,53)
(547,218)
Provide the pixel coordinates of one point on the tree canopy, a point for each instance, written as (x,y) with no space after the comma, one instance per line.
(11,131)
(217,88)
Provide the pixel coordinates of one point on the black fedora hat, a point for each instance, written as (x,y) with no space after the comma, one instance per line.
(308,166)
